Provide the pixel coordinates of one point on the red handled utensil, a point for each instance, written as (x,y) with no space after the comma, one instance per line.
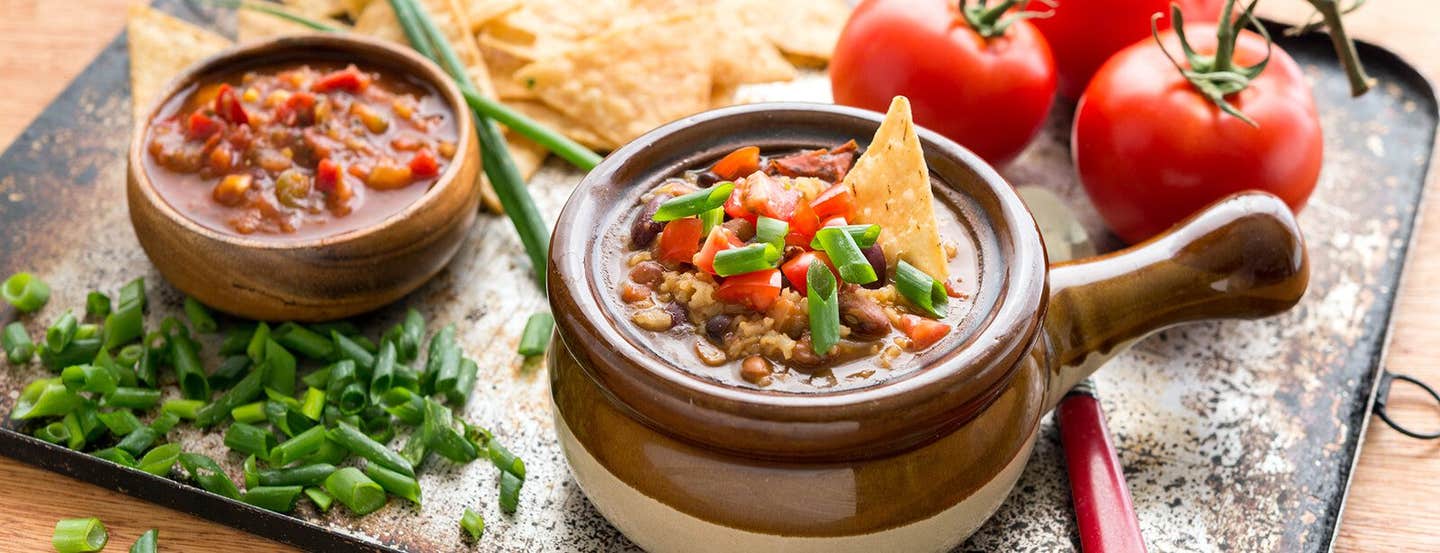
(1103,509)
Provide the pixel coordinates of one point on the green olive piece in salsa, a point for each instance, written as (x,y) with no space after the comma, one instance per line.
(300,151)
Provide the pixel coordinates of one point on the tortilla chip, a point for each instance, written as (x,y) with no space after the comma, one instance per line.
(353,8)
(547,27)
(378,20)
(315,9)
(453,22)
(160,47)
(804,29)
(251,25)
(617,84)
(745,56)
(577,131)
(480,12)
(892,189)
(504,60)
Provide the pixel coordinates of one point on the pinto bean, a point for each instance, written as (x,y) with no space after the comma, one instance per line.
(647,273)
(743,229)
(632,293)
(865,317)
(643,231)
(876,257)
(756,370)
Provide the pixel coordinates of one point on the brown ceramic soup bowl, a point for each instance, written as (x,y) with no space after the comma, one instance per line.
(682,462)
(321,276)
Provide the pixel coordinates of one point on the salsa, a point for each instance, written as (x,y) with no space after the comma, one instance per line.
(729,286)
(300,151)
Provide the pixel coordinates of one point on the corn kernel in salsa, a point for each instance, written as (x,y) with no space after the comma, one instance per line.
(300,151)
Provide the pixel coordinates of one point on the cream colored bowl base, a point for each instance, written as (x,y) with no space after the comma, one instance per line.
(661,529)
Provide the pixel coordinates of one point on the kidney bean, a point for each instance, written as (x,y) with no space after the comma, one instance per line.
(876,257)
(643,231)
(743,229)
(865,317)
(717,326)
(678,313)
(706,179)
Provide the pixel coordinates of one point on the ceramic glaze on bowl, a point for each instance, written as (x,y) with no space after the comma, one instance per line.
(679,462)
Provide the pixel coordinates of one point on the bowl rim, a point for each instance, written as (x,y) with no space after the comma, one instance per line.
(290,48)
(768,424)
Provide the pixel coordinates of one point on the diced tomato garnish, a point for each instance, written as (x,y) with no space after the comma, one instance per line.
(298,109)
(348,79)
(720,239)
(755,290)
(766,196)
(423,165)
(834,222)
(326,175)
(922,332)
(803,225)
(227,106)
(679,240)
(798,267)
(735,204)
(738,163)
(836,201)
(201,126)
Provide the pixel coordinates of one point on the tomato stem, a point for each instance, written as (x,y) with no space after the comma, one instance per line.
(1330,18)
(1217,77)
(992,21)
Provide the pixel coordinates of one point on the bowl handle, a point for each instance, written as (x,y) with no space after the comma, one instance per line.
(1241,258)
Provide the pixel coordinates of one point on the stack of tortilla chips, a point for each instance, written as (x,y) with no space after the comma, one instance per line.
(602,72)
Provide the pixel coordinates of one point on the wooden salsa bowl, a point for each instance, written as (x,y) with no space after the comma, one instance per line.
(680,462)
(311,279)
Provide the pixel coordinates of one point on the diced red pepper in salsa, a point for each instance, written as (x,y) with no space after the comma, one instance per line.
(922,332)
(755,290)
(738,163)
(720,239)
(423,165)
(797,267)
(349,79)
(327,174)
(297,111)
(200,126)
(679,240)
(227,106)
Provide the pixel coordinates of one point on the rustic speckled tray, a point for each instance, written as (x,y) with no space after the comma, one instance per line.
(1235,436)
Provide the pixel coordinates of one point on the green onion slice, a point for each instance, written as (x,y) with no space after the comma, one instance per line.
(711,219)
(923,290)
(694,203)
(824,308)
(746,259)
(846,255)
(473,524)
(771,231)
(864,235)
(79,535)
(28,293)
(536,336)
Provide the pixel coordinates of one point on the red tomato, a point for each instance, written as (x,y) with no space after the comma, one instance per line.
(349,79)
(1151,150)
(738,163)
(836,201)
(797,268)
(760,194)
(679,240)
(720,239)
(803,224)
(227,106)
(327,173)
(922,332)
(755,290)
(1084,33)
(423,165)
(200,126)
(990,95)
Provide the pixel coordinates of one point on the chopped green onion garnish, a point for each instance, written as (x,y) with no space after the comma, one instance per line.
(746,259)
(923,290)
(399,485)
(824,307)
(473,524)
(61,332)
(536,336)
(846,255)
(711,219)
(28,293)
(18,347)
(510,492)
(149,542)
(159,460)
(694,203)
(358,492)
(79,535)
(771,231)
(864,235)
(199,316)
(183,408)
(97,305)
(249,439)
(280,499)
(321,499)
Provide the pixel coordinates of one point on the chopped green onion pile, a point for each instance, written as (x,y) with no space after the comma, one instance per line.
(303,402)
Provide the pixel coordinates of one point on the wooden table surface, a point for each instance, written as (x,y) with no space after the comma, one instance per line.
(44,44)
